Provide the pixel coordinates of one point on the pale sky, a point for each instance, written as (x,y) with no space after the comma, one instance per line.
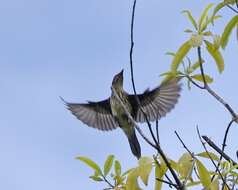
(73,49)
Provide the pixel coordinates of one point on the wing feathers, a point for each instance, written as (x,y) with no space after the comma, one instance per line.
(94,114)
(157,102)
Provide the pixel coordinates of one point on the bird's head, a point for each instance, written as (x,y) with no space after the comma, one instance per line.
(118,80)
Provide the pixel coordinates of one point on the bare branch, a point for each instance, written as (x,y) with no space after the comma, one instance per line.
(217,149)
(216,166)
(132,72)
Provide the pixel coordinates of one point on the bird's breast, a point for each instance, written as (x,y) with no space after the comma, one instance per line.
(119,113)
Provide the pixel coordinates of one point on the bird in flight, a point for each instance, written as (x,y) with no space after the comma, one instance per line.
(109,114)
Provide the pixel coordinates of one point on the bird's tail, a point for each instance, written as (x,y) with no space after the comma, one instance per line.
(134,144)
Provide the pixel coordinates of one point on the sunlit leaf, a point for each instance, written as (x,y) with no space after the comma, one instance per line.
(190,17)
(90,163)
(96,178)
(131,182)
(215,53)
(231,2)
(210,21)
(208,155)
(180,54)
(188,31)
(194,67)
(216,41)
(108,164)
(117,167)
(145,167)
(217,8)
(204,15)
(208,33)
(200,78)
(185,165)
(203,174)
(193,183)
(214,185)
(160,170)
(227,31)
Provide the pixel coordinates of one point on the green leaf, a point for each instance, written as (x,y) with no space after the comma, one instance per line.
(208,33)
(193,183)
(126,172)
(210,21)
(203,174)
(216,9)
(131,182)
(117,168)
(180,54)
(96,178)
(160,170)
(108,164)
(203,16)
(205,155)
(145,167)
(90,163)
(190,17)
(216,41)
(227,31)
(170,53)
(200,78)
(188,31)
(214,185)
(185,165)
(194,67)
(215,53)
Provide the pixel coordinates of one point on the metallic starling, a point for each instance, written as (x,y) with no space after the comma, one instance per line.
(109,114)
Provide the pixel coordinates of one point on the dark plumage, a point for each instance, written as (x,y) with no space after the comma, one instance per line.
(108,114)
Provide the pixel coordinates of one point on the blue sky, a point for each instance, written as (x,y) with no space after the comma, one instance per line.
(73,49)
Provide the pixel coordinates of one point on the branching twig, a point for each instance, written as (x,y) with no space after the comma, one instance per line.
(132,72)
(216,166)
(226,134)
(183,144)
(156,146)
(110,185)
(217,149)
(167,182)
(213,93)
(233,9)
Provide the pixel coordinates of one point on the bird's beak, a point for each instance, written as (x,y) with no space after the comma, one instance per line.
(121,73)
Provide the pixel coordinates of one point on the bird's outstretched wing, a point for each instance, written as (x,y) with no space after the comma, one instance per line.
(157,102)
(94,114)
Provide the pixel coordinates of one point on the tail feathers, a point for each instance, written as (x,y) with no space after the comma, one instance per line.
(134,144)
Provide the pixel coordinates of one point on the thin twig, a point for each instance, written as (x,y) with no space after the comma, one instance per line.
(132,72)
(183,144)
(192,156)
(105,179)
(216,166)
(213,93)
(226,134)
(166,176)
(157,146)
(233,9)
(223,146)
(167,182)
(157,130)
(217,149)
